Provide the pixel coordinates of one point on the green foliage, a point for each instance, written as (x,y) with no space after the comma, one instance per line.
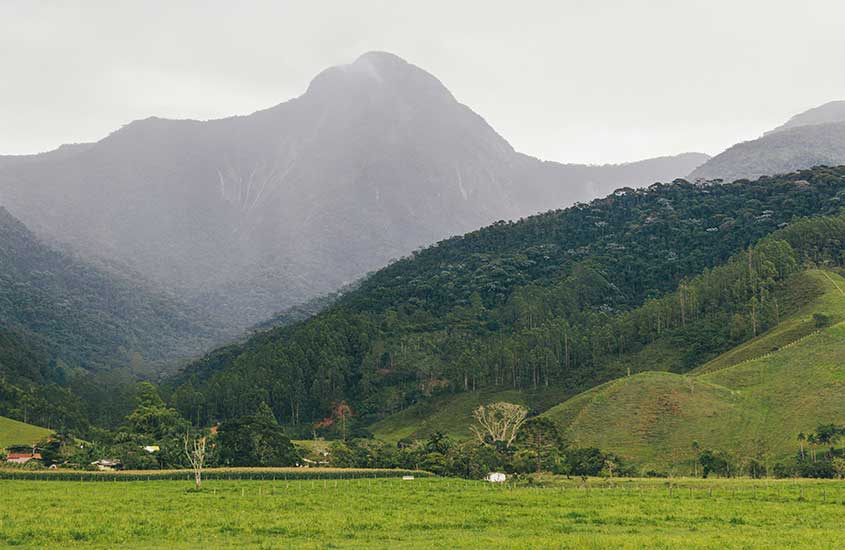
(64,320)
(715,462)
(750,405)
(555,300)
(255,440)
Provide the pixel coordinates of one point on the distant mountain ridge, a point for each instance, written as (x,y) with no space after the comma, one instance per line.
(58,310)
(831,112)
(813,138)
(248,215)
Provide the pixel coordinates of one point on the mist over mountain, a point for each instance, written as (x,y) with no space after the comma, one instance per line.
(833,111)
(248,215)
(71,315)
(813,138)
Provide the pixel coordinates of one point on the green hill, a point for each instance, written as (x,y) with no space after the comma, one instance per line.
(13,432)
(751,401)
(563,299)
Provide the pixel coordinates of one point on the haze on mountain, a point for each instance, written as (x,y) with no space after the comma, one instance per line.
(60,315)
(813,138)
(247,215)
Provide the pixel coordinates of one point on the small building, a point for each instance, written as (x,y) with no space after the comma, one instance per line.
(152,448)
(22,458)
(107,464)
(496,477)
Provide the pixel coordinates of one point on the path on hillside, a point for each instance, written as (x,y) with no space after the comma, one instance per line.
(829,278)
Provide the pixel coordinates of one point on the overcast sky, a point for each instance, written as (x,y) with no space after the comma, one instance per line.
(571,81)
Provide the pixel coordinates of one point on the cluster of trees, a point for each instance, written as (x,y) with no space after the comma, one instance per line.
(555,299)
(506,440)
(155,436)
(817,454)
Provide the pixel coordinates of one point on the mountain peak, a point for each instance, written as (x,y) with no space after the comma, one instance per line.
(831,112)
(378,70)
(379,57)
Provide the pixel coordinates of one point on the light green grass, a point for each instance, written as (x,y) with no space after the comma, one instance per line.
(751,402)
(424,513)
(13,432)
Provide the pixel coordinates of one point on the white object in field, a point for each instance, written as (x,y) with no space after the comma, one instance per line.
(496,477)
(407,478)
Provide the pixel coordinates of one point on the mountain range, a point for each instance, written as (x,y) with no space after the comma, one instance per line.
(812,138)
(248,215)
(58,314)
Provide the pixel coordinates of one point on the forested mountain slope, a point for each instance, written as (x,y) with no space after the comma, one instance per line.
(249,215)
(556,300)
(754,408)
(59,313)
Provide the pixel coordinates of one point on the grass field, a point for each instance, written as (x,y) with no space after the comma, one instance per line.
(13,432)
(751,401)
(424,513)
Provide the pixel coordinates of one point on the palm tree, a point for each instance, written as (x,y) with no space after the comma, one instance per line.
(801,439)
(812,440)
(696,447)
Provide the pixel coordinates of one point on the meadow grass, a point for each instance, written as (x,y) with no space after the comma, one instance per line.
(13,432)
(423,513)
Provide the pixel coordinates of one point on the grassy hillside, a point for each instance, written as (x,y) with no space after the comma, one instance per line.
(13,432)
(751,401)
(828,302)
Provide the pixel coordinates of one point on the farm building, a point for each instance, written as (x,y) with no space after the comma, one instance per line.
(22,458)
(107,465)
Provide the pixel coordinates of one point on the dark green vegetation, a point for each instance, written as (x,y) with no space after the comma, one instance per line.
(424,513)
(564,300)
(750,404)
(62,320)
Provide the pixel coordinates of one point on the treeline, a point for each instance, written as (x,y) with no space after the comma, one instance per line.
(154,437)
(556,299)
(817,456)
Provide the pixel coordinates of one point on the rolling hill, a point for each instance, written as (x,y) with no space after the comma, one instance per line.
(249,215)
(13,432)
(750,402)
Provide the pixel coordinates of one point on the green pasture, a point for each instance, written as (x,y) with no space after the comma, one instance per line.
(423,513)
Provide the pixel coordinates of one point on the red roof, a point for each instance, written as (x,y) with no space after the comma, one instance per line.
(15,456)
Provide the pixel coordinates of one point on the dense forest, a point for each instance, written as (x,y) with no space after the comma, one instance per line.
(69,331)
(555,299)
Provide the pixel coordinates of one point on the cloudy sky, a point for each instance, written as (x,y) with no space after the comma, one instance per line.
(576,81)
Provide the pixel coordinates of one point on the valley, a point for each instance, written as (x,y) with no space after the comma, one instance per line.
(356,315)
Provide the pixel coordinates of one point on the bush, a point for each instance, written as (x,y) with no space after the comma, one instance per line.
(821,320)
